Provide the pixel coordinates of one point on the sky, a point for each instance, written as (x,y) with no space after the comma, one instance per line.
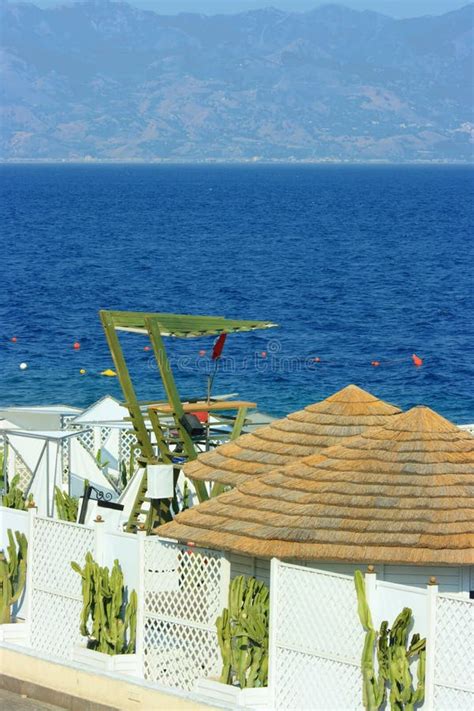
(395,8)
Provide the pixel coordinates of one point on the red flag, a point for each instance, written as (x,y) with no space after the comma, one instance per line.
(416,360)
(218,346)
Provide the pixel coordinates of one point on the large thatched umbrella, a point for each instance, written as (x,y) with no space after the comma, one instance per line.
(400,494)
(300,434)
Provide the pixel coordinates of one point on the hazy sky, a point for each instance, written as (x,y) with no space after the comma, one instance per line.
(396,8)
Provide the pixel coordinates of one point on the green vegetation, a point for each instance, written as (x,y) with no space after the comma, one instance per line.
(100,462)
(12,573)
(242,631)
(394,656)
(66,506)
(15,498)
(113,621)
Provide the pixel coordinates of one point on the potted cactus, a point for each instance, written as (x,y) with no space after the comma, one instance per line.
(108,621)
(66,506)
(12,585)
(242,632)
(394,656)
(15,498)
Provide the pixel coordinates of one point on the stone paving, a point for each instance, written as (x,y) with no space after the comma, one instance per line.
(15,702)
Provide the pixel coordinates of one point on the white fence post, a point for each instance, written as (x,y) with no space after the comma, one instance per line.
(430,644)
(225,581)
(371,592)
(140,643)
(99,541)
(273,624)
(29,561)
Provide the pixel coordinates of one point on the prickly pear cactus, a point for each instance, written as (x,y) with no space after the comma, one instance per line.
(66,506)
(242,632)
(393,659)
(12,573)
(109,622)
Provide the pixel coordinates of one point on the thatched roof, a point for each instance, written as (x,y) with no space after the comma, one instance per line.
(399,494)
(300,434)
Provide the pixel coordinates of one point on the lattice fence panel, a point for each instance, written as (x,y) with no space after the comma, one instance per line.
(87,441)
(306,681)
(56,599)
(184,593)
(104,433)
(24,472)
(317,613)
(454,670)
(177,655)
(65,447)
(449,699)
(318,640)
(127,441)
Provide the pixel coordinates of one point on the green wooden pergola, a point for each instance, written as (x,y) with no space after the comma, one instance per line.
(157,326)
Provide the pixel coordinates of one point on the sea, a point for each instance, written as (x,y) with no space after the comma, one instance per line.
(360,266)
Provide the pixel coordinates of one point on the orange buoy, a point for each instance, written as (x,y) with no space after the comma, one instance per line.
(375,363)
(13,339)
(263,354)
(417,361)
(316,360)
(202,353)
(76,345)
(146,348)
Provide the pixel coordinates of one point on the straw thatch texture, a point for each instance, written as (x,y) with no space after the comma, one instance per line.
(301,434)
(399,494)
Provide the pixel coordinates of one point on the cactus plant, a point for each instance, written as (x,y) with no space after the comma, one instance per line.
(242,632)
(66,506)
(186,496)
(393,658)
(15,498)
(12,573)
(113,622)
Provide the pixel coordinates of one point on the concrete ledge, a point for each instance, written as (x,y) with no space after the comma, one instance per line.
(77,689)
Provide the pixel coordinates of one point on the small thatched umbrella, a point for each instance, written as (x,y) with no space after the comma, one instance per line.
(300,434)
(399,494)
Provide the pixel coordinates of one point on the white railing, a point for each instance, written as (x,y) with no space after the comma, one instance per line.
(185,589)
(316,638)
(181,591)
(452,654)
(55,599)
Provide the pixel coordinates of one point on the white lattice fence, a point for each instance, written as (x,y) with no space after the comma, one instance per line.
(126,442)
(453,658)
(185,590)
(54,588)
(23,471)
(316,640)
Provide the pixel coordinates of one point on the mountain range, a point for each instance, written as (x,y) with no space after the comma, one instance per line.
(108,81)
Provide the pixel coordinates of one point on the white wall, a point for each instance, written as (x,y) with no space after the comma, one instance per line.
(453,579)
(258,568)
(125,548)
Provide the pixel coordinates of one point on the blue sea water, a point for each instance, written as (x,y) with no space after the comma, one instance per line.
(355,263)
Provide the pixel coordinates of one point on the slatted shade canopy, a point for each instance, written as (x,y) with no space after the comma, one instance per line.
(183,325)
(300,434)
(400,494)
